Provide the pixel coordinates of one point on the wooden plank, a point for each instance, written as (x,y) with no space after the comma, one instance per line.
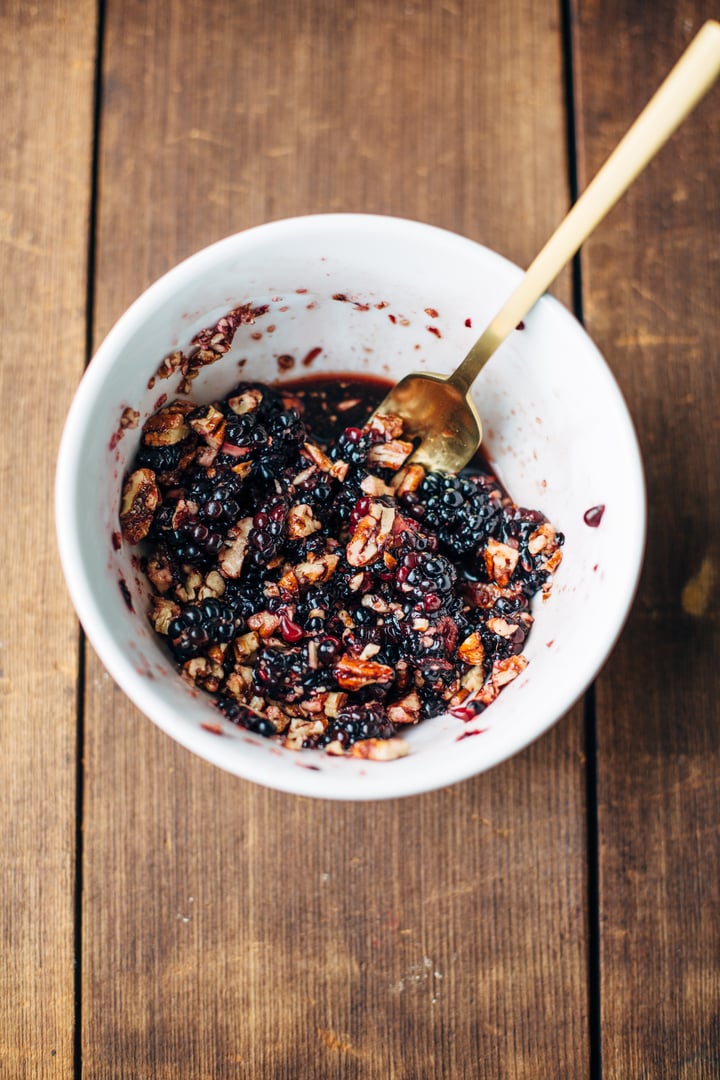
(651,295)
(47,57)
(233,931)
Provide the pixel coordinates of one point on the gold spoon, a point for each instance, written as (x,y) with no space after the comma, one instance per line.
(436,408)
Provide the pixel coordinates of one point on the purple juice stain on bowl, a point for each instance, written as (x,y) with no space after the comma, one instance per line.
(594,515)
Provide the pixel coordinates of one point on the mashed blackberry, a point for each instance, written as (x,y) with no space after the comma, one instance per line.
(322,591)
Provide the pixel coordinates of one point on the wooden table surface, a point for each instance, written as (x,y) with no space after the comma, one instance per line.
(556,917)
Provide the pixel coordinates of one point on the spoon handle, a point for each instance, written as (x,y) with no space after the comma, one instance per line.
(689,80)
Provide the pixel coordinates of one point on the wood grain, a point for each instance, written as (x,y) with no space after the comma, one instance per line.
(46,80)
(652,301)
(231,931)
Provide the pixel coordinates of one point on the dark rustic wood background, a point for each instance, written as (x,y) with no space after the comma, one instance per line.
(557,917)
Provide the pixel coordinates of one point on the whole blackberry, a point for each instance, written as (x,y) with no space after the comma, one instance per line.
(459,510)
(437,675)
(318,490)
(245,432)
(269,526)
(279,673)
(360,722)
(219,496)
(188,538)
(288,428)
(194,542)
(246,595)
(426,581)
(160,458)
(352,446)
(199,625)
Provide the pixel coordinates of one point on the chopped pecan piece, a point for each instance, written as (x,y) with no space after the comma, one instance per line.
(501,627)
(264,622)
(375,603)
(334,702)
(245,645)
(162,613)
(302,729)
(379,749)
(504,671)
(554,561)
(374,485)
(203,672)
(239,682)
(159,571)
(314,454)
(246,402)
(542,538)
(473,679)
(371,535)
(389,425)
(212,587)
(277,718)
(316,570)
(406,710)
(167,427)
(232,557)
(352,673)
(472,650)
(300,521)
(210,426)
(140,500)
(390,455)
(408,479)
(501,560)
(289,582)
(190,586)
(304,475)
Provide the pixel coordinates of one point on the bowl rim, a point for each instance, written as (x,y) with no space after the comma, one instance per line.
(327,785)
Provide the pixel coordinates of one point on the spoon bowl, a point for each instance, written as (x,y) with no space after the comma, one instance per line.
(439,415)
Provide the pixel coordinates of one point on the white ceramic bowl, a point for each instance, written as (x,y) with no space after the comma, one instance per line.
(556,428)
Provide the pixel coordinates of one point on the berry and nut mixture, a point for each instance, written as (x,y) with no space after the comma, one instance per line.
(321,590)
